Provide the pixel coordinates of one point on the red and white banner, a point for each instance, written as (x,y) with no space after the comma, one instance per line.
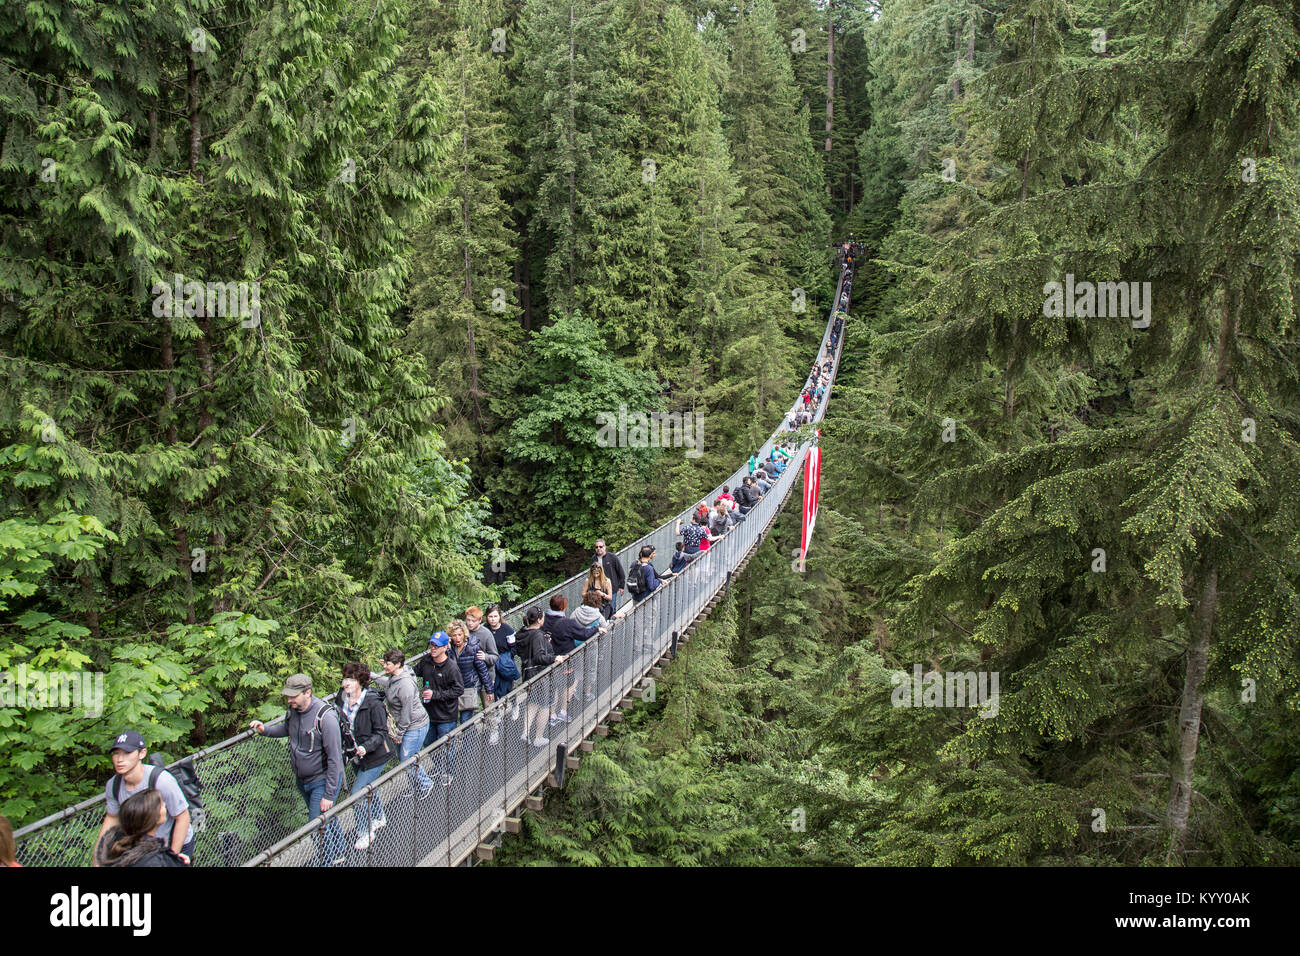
(812,481)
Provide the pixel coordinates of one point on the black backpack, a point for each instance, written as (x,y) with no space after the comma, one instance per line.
(185,777)
(635,579)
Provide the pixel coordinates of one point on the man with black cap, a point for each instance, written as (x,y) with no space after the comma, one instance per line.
(315,753)
(131,776)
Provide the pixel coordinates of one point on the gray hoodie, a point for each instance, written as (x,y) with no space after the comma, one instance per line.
(315,749)
(586,616)
(403,698)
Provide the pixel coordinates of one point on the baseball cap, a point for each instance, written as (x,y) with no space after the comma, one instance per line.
(440,639)
(297,684)
(127,740)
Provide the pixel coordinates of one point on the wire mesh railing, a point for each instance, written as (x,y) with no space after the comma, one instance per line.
(485,768)
(252,810)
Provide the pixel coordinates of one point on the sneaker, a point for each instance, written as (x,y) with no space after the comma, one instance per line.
(364,842)
(542,742)
(555,719)
(378,825)
(339,861)
(564,717)
(514,714)
(425,790)
(494,738)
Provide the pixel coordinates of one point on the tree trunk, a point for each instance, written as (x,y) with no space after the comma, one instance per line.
(179,532)
(1024,160)
(830,70)
(88,595)
(196,127)
(469,281)
(523,281)
(573,225)
(1189,716)
(203,347)
(1198,651)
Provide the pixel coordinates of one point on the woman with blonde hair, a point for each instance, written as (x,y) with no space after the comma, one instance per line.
(464,651)
(598,580)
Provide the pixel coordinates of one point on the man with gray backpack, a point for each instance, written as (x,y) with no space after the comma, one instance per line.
(132,775)
(315,735)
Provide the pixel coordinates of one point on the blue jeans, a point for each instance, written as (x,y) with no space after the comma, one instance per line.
(332,835)
(439,730)
(367,812)
(413,743)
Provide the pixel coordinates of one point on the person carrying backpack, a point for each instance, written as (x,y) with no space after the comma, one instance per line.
(507,666)
(643,574)
(680,559)
(315,735)
(363,709)
(132,775)
(718,523)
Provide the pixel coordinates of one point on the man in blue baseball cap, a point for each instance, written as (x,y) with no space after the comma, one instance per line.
(131,776)
(441,686)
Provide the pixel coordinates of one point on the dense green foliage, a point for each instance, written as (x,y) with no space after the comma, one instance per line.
(461,231)
(475,227)
(1102,513)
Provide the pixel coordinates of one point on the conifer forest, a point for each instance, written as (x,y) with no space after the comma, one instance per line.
(311,310)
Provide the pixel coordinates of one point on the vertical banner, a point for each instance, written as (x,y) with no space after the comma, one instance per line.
(812,478)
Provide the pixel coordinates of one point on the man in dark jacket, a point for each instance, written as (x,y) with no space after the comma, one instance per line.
(441,684)
(614,571)
(315,754)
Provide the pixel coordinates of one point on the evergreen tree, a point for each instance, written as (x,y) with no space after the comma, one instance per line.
(260,460)
(463,317)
